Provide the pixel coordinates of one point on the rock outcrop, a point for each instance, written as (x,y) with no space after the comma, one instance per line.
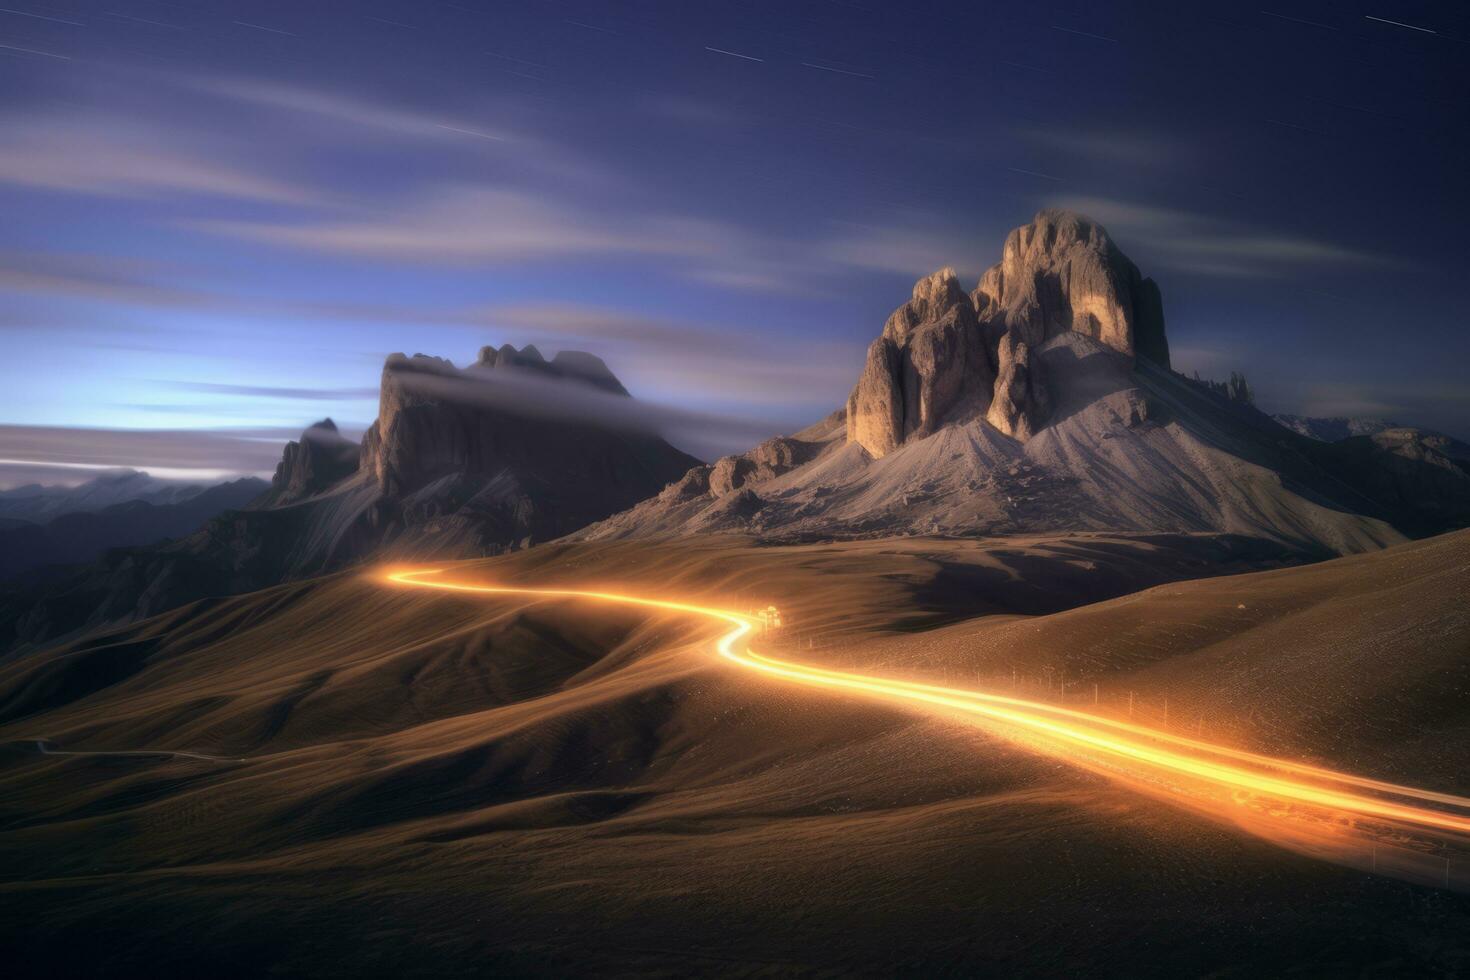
(1062,272)
(1022,401)
(1236,389)
(772,458)
(932,358)
(945,353)
(765,462)
(322,457)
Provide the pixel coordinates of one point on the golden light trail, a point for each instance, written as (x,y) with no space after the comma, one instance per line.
(1129,750)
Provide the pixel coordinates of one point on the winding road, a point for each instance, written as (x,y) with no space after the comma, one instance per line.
(44,746)
(1246,787)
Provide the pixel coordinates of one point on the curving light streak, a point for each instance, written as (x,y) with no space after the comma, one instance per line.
(1130,750)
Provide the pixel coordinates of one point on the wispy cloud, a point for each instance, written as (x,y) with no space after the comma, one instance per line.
(215,451)
(1383,400)
(1208,245)
(104,278)
(486,187)
(270,391)
(1121,148)
(475,223)
(88,154)
(348,110)
(528,394)
(732,361)
(907,249)
(728,362)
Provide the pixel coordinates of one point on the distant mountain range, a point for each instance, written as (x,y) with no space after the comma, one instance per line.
(1040,402)
(1339,428)
(82,535)
(37,504)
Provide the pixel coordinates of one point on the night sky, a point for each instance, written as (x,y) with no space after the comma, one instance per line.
(223,215)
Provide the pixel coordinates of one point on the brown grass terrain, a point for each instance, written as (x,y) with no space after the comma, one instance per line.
(413,782)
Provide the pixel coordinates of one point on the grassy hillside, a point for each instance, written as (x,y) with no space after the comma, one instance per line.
(404,781)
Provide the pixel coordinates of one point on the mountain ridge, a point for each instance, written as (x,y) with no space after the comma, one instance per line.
(78,536)
(38,503)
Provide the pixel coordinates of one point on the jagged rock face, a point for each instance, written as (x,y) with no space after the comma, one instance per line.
(1022,402)
(321,458)
(944,351)
(931,358)
(1062,272)
(404,445)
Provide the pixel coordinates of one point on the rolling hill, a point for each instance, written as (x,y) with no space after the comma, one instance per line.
(394,781)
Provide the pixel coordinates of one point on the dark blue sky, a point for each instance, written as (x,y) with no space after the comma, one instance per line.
(224,214)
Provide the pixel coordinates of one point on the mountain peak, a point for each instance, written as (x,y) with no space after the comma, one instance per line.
(944,352)
(933,296)
(1063,273)
(319,459)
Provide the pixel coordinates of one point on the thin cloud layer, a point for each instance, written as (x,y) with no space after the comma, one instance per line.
(1207,245)
(528,394)
(36,449)
(91,155)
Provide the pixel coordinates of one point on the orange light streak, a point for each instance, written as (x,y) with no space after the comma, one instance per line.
(1079,736)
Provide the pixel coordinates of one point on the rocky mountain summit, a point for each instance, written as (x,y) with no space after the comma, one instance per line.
(322,457)
(1042,401)
(461,462)
(567,365)
(504,415)
(947,353)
